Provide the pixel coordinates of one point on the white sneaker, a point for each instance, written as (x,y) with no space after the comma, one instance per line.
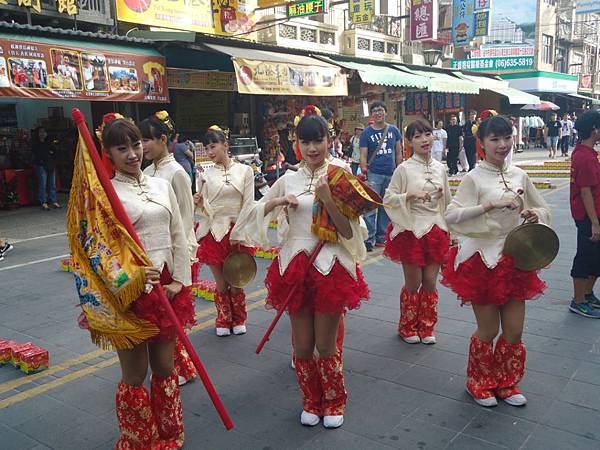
(182,380)
(239,329)
(487,402)
(411,339)
(223,332)
(516,400)
(309,419)
(333,421)
(428,340)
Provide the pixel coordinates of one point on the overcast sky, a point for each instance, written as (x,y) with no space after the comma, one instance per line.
(520,11)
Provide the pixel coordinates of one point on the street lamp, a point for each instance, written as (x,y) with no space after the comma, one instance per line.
(432,57)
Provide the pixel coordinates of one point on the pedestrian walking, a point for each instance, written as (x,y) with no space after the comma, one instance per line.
(491,201)
(454,143)
(417,236)
(155,139)
(566,132)
(226,191)
(469,141)
(146,420)
(355,149)
(44,161)
(440,141)
(323,289)
(380,154)
(585,210)
(553,133)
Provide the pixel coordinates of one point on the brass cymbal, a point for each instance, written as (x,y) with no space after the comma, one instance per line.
(532,245)
(239,269)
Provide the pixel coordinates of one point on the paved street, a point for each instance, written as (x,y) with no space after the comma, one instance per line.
(400,396)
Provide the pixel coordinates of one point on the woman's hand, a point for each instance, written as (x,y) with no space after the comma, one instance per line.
(172,289)
(511,204)
(322,190)
(595,232)
(288,201)
(197,198)
(530,216)
(152,275)
(419,195)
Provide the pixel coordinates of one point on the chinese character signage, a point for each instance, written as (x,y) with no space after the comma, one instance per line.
(68,7)
(423,20)
(190,15)
(306,8)
(200,80)
(482,23)
(494,63)
(417,103)
(483,4)
(234,18)
(35,70)
(278,78)
(587,6)
(361,11)
(463,29)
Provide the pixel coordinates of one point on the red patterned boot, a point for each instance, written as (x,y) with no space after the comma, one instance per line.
(166,405)
(136,419)
(224,314)
(331,371)
(184,367)
(310,385)
(409,308)
(238,312)
(427,315)
(481,374)
(510,366)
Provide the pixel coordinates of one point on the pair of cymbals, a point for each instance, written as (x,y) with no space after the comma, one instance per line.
(533,246)
(239,269)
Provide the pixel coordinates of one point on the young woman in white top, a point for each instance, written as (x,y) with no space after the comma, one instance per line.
(491,201)
(417,235)
(325,289)
(155,138)
(227,189)
(154,421)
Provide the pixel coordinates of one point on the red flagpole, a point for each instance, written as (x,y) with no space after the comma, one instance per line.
(124,219)
(311,260)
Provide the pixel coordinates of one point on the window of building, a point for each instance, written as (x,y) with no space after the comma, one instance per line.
(363,44)
(325,37)
(547,49)
(288,31)
(308,34)
(378,46)
(392,48)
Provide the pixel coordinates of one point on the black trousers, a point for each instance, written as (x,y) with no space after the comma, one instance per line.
(564,144)
(471,153)
(452,159)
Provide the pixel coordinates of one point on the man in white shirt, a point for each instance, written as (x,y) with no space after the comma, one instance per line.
(440,139)
(567,130)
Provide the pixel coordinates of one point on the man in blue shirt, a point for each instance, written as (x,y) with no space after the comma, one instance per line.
(379,167)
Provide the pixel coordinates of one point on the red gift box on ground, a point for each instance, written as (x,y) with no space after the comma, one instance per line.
(6,348)
(33,360)
(17,350)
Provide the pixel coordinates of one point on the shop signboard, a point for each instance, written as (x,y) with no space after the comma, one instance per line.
(262,4)
(200,80)
(361,11)
(37,70)
(463,22)
(234,18)
(423,20)
(587,6)
(68,7)
(482,23)
(497,51)
(306,8)
(189,15)
(280,78)
(482,4)
(494,64)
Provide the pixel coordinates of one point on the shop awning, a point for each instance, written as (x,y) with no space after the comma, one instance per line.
(442,82)
(515,96)
(272,73)
(594,101)
(51,68)
(383,75)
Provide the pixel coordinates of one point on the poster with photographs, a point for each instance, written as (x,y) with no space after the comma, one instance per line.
(66,70)
(93,70)
(37,70)
(28,73)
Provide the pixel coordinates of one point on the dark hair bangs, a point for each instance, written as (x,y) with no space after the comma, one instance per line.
(312,128)
(418,126)
(214,137)
(120,132)
(496,125)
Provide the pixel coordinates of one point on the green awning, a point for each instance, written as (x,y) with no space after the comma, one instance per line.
(594,101)
(515,96)
(382,75)
(442,82)
(101,44)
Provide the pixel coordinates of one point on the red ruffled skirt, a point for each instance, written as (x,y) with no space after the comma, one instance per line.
(214,253)
(474,282)
(150,308)
(333,293)
(431,248)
